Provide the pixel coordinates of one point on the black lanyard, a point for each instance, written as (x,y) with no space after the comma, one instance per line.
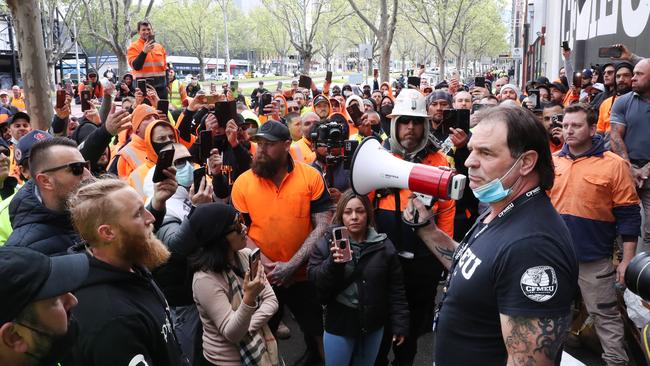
(470,238)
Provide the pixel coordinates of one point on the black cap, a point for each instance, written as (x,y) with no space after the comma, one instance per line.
(559,86)
(622,64)
(273,131)
(19,115)
(28,276)
(240,120)
(542,80)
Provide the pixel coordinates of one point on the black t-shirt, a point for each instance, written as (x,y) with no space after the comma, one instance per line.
(520,265)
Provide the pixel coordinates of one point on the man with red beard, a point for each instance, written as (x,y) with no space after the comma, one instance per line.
(287,207)
(123,316)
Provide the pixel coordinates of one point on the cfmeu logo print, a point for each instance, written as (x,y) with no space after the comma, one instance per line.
(539,283)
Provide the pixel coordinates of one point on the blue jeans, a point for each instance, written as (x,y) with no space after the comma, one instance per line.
(362,351)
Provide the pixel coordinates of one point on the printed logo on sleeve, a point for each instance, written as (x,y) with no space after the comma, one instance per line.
(539,283)
(138,360)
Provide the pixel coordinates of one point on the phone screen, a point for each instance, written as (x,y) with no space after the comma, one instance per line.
(199,173)
(328,76)
(413,81)
(165,160)
(479,81)
(60,98)
(304,82)
(205,146)
(85,100)
(265,99)
(142,85)
(355,114)
(253,262)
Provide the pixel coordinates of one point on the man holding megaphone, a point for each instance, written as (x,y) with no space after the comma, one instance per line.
(513,277)
(409,131)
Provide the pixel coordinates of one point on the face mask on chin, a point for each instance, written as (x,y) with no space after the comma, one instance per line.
(493,191)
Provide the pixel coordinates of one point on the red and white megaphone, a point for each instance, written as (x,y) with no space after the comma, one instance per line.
(374,167)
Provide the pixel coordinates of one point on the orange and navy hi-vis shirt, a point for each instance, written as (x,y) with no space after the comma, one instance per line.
(280,217)
(400,234)
(595,195)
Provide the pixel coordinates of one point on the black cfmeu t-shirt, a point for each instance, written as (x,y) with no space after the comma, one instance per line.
(520,265)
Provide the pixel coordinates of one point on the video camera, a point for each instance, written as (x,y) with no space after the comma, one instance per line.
(333,134)
(637,275)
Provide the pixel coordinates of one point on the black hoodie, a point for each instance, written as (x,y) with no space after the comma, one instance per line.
(123,319)
(36,226)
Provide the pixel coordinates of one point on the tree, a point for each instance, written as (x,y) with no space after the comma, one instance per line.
(223,4)
(58,31)
(33,62)
(437,21)
(328,46)
(384,30)
(183,30)
(271,36)
(300,19)
(112,22)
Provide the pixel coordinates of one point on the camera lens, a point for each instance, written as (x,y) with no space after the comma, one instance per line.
(335,134)
(637,275)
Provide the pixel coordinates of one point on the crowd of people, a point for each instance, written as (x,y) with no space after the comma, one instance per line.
(149,233)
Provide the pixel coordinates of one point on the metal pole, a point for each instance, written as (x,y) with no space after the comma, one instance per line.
(14,69)
(76,51)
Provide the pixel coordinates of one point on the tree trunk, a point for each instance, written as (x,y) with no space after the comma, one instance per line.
(122,63)
(403,64)
(306,62)
(384,63)
(226,46)
(442,62)
(201,67)
(33,63)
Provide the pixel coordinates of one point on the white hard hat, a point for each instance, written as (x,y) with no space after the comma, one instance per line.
(410,102)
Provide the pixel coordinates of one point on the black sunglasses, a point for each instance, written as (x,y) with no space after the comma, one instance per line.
(76,168)
(238,225)
(406,119)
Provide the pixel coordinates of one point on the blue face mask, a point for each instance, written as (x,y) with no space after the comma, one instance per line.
(494,191)
(185,175)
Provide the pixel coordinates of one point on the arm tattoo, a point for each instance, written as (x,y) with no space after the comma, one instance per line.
(534,341)
(617,131)
(444,253)
(320,221)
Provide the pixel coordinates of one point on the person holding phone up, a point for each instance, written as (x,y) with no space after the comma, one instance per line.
(235,302)
(359,280)
(148,59)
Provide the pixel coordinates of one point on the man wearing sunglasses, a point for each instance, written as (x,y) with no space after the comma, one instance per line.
(409,141)
(38,211)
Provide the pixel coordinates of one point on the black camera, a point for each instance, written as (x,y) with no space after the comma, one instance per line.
(329,134)
(333,134)
(637,275)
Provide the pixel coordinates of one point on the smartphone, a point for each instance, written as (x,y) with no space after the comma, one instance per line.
(199,173)
(355,114)
(60,98)
(266,98)
(205,146)
(279,87)
(213,88)
(304,82)
(615,52)
(253,263)
(165,160)
(533,97)
(152,37)
(225,111)
(142,85)
(85,100)
(556,120)
(375,73)
(413,81)
(328,76)
(565,46)
(479,81)
(234,85)
(455,118)
(211,99)
(342,241)
(577,79)
(163,106)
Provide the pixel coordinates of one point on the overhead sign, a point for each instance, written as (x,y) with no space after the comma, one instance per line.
(517,53)
(365,51)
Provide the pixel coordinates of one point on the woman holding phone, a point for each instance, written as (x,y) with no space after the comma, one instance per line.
(359,280)
(235,302)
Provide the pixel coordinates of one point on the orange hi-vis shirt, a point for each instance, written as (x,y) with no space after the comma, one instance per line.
(155,64)
(281,216)
(301,151)
(604,114)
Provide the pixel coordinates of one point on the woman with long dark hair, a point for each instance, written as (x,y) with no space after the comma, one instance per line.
(234,305)
(362,292)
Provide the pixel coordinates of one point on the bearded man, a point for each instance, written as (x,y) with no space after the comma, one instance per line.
(123,316)
(287,208)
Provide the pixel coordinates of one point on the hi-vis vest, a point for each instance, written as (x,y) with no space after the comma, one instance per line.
(155,64)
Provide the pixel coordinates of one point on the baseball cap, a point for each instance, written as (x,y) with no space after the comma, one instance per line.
(587,73)
(542,80)
(28,276)
(240,120)
(24,146)
(597,86)
(19,115)
(559,86)
(273,131)
(3,92)
(320,99)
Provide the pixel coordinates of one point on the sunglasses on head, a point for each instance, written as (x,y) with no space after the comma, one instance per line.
(76,168)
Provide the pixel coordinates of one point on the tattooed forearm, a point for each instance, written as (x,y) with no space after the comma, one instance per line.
(320,220)
(444,253)
(533,341)
(617,131)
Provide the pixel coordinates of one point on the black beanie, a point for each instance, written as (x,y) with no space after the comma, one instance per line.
(209,222)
